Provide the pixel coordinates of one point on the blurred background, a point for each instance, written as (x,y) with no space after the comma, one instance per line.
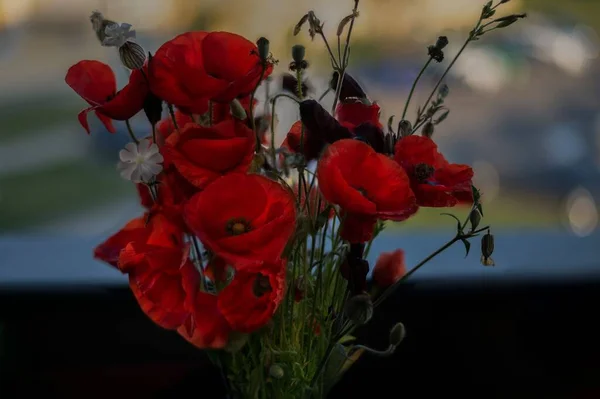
(525,112)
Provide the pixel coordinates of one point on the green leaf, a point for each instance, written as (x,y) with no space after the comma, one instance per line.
(467,246)
(477,198)
(458,229)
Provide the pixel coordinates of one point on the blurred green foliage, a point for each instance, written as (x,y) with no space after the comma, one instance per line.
(586,11)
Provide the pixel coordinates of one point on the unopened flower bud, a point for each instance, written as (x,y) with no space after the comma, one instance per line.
(474,218)
(276,371)
(428,130)
(298,53)
(237,109)
(509,20)
(397,334)
(132,55)
(442,42)
(404,128)
(444,91)
(263,48)
(237,340)
(487,249)
(359,309)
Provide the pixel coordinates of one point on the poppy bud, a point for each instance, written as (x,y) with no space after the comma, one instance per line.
(298,53)
(153,108)
(132,55)
(428,130)
(237,340)
(276,371)
(404,128)
(442,42)
(474,218)
(359,309)
(263,48)
(443,91)
(487,248)
(397,334)
(237,109)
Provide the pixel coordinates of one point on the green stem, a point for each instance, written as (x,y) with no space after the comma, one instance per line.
(393,287)
(414,85)
(130,131)
(333,60)
(251,107)
(344,60)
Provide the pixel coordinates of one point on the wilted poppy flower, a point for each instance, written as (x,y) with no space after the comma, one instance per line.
(300,141)
(196,67)
(163,280)
(201,154)
(390,267)
(435,181)
(244,218)
(209,329)
(252,297)
(366,185)
(353,113)
(95,82)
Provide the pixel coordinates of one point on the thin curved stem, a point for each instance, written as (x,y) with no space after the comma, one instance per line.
(414,85)
(130,131)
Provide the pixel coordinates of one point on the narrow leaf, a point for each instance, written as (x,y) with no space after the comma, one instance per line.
(343,24)
(467,246)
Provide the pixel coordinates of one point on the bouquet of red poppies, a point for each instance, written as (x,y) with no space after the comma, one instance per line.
(255,250)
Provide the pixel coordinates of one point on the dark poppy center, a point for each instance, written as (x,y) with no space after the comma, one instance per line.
(261,285)
(423,171)
(235,227)
(362,191)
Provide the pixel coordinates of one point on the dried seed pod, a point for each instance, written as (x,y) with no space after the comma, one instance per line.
(428,130)
(487,249)
(132,55)
(404,128)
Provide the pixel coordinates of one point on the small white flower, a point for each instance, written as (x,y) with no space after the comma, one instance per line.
(140,162)
(116,35)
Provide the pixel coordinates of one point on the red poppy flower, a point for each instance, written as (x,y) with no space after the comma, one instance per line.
(201,154)
(366,185)
(246,219)
(196,67)
(134,230)
(95,82)
(154,229)
(166,126)
(172,192)
(251,299)
(209,327)
(390,267)
(352,114)
(299,140)
(163,280)
(435,181)
(216,269)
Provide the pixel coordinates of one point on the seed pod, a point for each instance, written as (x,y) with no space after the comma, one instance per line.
(397,334)
(298,53)
(132,55)
(487,249)
(263,48)
(359,309)
(442,42)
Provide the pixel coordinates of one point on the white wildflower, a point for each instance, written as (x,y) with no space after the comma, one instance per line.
(140,162)
(116,35)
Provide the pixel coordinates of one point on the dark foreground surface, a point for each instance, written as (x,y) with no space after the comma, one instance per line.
(475,338)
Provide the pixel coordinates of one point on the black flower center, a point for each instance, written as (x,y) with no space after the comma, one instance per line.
(261,285)
(238,226)
(423,171)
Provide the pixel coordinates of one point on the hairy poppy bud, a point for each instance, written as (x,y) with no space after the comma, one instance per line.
(404,128)
(237,340)
(263,48)
(132,55)
(397,334)
(276,371)
(237,109)
(359,309)
(474,218)
(428,130)
(487,248)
